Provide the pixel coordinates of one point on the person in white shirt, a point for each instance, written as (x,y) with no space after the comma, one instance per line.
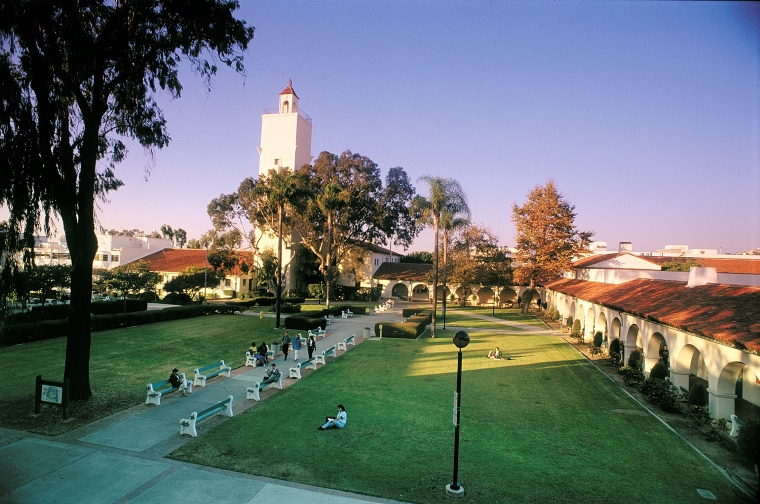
(339,421)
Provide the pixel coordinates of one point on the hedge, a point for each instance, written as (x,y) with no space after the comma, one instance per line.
(408,330)
(14,334)
(118,306)
(305,323)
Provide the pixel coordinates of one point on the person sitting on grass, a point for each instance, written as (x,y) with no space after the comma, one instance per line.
(338,422)
(495,354)
(272,375)
(177,382)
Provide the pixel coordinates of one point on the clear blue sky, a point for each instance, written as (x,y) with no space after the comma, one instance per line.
(645,114)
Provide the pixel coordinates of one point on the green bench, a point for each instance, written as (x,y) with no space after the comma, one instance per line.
(295,372)
(255,391)
(342,345)
(187,425)
(162,388)
(204,373)
(330,352)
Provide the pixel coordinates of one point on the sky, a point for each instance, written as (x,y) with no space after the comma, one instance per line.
(645,114)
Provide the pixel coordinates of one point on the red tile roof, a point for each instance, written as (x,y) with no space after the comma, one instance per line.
(289,89)
(414,272)
(726,313)
(176,260)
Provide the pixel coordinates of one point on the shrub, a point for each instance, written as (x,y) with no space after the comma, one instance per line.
(576,332)
(304,323)
(659,371)
(569,322)
(287,308)
(294,299)
(229,293)
(631,375)
(119,306)
(410,329)
(697,395)
(634,359)
(698,415)
(598,339)
(749,441)
(661,392)
(177,299)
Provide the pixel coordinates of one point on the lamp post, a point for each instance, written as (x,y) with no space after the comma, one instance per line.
(454,489)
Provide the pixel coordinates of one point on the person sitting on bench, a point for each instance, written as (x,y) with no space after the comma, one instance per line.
(495,354)
(261,359)
(262,352)
(178,382)
(273,374)
(338,422)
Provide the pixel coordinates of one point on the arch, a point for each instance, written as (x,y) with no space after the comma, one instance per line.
(566,308)
(687,365)
(285,107)
(443,292)
(420,292)
(632,341)
(724,398)
(652,354)
(588,323)
(400,291)
(508,294)
(601,325)
(485,296)
(572,310)
(616,328)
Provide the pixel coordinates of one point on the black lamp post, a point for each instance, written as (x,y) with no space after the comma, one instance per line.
(454,489)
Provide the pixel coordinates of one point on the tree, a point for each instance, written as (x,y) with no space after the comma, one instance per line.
(418,258)
(167,232)
(180,237)
(445,196)
(191,280)
(451,220)
(546,236)
(342,209)
(131,278)
(397,221)
(47,278)
(477,259)
(76,78)
(267,273)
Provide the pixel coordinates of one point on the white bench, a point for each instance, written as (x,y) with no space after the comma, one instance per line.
(317,333)
(295,372)
(330,352)
(250,360)
(255,391)
(201,374)
(346,314)
(348,341)
(736,426)
(162,388)
(187,425)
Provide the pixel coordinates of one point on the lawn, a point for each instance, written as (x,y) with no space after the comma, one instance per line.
(459,316)
(545,426)
(122,362)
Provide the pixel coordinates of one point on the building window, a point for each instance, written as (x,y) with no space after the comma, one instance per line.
(104,257)
(377,261)
(277,162)
(115,258)
(244,282)
(227,282)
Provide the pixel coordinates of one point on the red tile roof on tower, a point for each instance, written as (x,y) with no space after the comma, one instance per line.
(289,89)
(726,313)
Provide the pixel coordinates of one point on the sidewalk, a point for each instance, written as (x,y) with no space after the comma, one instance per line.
(121,458)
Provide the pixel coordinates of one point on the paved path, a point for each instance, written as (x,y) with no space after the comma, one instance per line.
(121,458)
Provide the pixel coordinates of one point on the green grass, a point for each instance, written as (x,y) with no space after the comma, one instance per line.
(543,427)
(460,316)
(122,362)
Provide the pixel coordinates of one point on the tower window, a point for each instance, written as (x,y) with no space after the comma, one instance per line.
(285,107)
(277,162)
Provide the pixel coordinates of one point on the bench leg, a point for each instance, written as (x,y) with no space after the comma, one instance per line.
(187,426)
(253,393)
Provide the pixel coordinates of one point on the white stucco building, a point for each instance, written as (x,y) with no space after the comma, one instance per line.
(113,250)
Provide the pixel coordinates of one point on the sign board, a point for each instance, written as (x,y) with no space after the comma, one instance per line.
(53,393)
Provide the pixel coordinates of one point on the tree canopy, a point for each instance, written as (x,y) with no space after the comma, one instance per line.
(546,237)
(76,79)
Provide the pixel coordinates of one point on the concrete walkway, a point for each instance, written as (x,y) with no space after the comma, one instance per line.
(121,458)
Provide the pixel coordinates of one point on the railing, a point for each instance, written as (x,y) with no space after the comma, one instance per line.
(300,113)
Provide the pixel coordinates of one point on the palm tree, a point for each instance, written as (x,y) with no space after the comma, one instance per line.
(446,198)
(450,223)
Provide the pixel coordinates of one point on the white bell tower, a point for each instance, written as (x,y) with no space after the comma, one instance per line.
(285,135)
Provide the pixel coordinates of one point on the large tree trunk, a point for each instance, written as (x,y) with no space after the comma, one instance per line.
(435,277)
(328,263)
(445,263)
(528,297)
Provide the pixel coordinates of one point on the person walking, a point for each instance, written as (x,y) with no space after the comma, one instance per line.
(285,345)
(297,342)
(311,346)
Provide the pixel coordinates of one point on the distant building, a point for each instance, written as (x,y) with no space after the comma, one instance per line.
(113,250)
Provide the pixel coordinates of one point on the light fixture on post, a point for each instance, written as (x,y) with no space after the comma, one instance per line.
(454,489)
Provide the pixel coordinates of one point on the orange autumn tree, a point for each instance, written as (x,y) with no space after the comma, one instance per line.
(546,236)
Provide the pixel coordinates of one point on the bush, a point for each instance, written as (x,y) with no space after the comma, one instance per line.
(634,359)
(110,307)
(577,332)
(177,299)
(410,329)
(661,392)
(287,308)
(631,375)
(659,371)
(294,299)
(749,441)
(570,322)
(698,415)
(598,339)
(697,395)
(302,323)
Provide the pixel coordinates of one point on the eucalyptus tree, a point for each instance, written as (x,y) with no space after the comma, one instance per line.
(445,196)
(546,236)
(76,78)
